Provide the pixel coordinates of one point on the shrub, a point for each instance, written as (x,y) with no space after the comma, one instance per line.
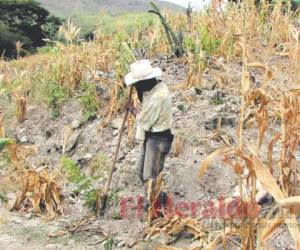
(209,43)
(90,101)
(56,93)
(84,183)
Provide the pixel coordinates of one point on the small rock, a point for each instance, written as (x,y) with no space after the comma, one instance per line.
(115,132)
(103,91)
(76,124)
(88,156)
(212,123)
(24,139)
(116,124)
(228,121)
(11,196)
(180,188)
(121,244)
(221,60)
(73,140)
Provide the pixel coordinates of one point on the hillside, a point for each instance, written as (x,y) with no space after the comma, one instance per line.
(71,7)
(232,176)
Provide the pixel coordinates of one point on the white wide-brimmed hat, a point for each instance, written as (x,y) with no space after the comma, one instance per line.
(141,70)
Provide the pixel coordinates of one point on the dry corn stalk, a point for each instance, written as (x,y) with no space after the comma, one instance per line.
(295,51)
(40,193)
(290,127)
(69,31)
(154,188)
(248,159)
(170,227)
(2,133)
(21,106)
(19,155)
(178,145)
(19,46)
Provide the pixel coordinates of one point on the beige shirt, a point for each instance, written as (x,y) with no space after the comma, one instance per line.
(156,114)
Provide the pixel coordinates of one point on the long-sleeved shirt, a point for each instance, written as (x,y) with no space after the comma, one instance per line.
(156,114)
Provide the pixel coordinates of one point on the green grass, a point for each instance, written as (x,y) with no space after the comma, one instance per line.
(109,24)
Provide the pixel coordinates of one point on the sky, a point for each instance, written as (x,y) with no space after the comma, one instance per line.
(198,4)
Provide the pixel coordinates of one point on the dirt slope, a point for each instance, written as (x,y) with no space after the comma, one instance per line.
(194,113)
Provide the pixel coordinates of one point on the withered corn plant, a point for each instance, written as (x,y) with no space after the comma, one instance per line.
(39,191)
(2,131)
(21,107)
(246,159)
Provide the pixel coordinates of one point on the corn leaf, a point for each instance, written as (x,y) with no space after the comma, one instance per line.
(266,179)
(205,164)
(270,225)
(5,142)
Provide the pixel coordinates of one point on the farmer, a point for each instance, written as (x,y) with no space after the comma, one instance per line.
(154,120)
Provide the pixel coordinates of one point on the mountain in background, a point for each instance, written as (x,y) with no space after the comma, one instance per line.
(66,8)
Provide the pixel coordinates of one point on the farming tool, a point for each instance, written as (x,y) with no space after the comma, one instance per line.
(104,196)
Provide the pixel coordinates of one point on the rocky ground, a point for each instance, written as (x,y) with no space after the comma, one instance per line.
(196,113)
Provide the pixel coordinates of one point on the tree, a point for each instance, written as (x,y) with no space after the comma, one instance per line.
(8,41)
(26,19)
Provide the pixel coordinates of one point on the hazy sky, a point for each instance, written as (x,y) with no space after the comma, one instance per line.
(195,3)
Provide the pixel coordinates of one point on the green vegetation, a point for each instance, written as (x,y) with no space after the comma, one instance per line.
(66,8)
(175,40)
(4,142)
(218,99)
(3,197)
(90,101)
(209,43)
(27,23)
(84,183)
(56,94)
(108,24)
(109,243)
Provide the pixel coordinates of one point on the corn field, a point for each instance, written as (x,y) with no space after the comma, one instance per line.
(265,43)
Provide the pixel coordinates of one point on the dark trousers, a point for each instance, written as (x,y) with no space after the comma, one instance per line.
(153,153)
